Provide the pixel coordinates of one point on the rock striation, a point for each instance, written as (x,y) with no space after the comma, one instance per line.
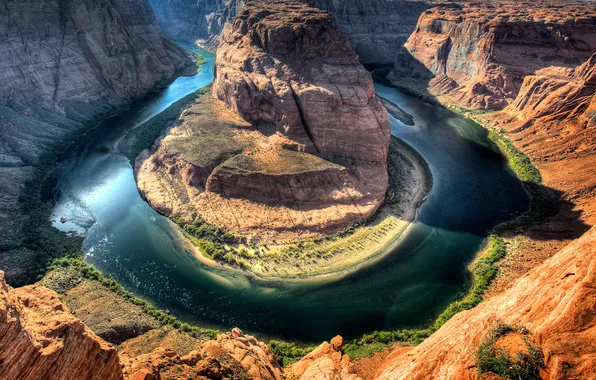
(233,355)
(556,302)
(64,64)
(40,339)
(376,29)
(478,54)
(304,150)
(326,362)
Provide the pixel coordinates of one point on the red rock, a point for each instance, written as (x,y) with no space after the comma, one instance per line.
(40,339)
(556,302)
(478,54)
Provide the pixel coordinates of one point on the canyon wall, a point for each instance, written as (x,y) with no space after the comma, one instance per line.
(297,142)
(40,339)
(556,302)
(376,29)
(477,55)
(63,65)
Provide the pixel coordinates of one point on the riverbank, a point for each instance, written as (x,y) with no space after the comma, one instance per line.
(336,255)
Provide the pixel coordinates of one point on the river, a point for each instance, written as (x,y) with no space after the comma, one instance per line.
(124,237)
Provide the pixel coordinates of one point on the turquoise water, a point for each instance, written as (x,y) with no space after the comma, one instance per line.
(124,237)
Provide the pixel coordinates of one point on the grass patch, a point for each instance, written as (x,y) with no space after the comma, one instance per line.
(519,162)
(199,60)
(77,267)
(364,350)
(288,353)
(522,365)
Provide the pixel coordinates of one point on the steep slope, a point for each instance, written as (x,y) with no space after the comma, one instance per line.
(304,151)
(556,302)
(65,64)
(376,29)
(40,339)
(478,54)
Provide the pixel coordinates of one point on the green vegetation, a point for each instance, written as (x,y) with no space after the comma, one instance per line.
(199,60)
(86,271)
(145,135)
(364,350)
(484,271)
(519,162)
(288,353)
(212,240)
(524,365)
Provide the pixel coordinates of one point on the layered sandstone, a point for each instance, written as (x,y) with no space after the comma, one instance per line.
(556,302)
(376,29)
(64,64)
(233,355)
(326,362)
(40,339)
(477,55)
(304,151)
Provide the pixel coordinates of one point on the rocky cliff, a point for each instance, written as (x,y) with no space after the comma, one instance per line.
(555,302)
(40,339)
(478,54)
(305,149)
(65,64)
(376,29)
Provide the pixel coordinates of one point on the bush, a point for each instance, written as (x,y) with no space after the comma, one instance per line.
(524,365)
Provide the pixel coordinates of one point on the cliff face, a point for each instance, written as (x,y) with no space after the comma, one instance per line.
(556,302)
(376,29)
(299,89)
(478,54)
(64,64)
(40,339)
(196,20)
(301,76)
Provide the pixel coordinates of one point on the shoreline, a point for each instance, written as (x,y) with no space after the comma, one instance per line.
(384,214)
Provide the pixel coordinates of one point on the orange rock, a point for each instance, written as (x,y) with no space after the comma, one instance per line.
(556,302)
(325,362)
(40,339)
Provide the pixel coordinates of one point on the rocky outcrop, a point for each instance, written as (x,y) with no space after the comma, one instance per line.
(478,54)
(233,355)
(308,154)
(286,65)
(376,29)
(556,302)
(40,339)
(65,64)
(326,362)
(196,21)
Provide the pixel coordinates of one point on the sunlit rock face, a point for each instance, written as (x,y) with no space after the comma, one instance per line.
(301,140)
(40,339)
(63,65)
(477,55)
(376,29)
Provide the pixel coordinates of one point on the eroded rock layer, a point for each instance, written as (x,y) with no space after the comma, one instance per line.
(376,29)
(478,54)
(64,64)
(40,339)
(556,302)
(304,151)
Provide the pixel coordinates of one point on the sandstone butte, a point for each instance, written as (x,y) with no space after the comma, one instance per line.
(303,151)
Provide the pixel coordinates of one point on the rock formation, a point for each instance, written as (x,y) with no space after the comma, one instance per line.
(325,362)
(556,302)
(313,158)
(376,29)
(65,64)
(233,355)
(40,339)
(478,54)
